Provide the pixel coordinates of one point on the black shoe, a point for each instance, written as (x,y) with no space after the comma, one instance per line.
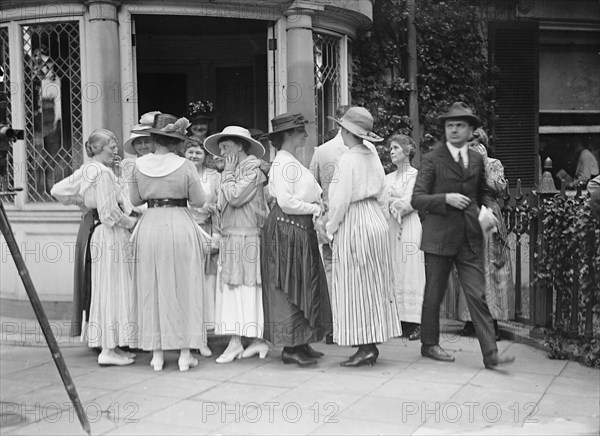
(415,334)
(468,329)
(494,360)
(296,355)
(436,352)
(310,352)
(329,339)
(497,331)
(366,355)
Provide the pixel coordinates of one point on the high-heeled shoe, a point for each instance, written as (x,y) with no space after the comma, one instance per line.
(230,354)
(310,352)
(187,362)
(258,347)
(364,356)
(296,355)
(157,362)
(204,351)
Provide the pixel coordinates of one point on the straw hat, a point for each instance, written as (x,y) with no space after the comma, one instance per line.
(460,110)
(211,144)
(146,121)
(167,125)
(287,121)
(359,122)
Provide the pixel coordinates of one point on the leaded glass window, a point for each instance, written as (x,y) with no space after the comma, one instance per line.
(327,82)
(53,114)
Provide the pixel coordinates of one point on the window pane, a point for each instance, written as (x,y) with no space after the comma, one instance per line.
(327,82)
(53,124)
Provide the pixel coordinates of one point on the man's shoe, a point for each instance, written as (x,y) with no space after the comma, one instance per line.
(435,352)
(296,355)
(494,360)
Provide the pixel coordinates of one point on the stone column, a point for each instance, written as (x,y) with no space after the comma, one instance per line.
(102,90)
(300,74)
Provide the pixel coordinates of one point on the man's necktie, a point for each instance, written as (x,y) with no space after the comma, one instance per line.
(461,162)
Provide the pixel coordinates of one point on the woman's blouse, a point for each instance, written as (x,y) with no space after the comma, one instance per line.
(293,185)
(100,191)
(210,180)
(360,176)
(494,177)
(400,186)
(166,176)
(241,197)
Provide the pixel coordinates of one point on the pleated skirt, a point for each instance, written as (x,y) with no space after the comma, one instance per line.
(111,319)
(82,289)
(364,305)
(296,302)
(168,277)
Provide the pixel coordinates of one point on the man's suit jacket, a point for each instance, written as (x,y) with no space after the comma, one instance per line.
(445,228)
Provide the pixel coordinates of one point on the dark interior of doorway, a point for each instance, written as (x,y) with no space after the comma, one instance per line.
(189,58)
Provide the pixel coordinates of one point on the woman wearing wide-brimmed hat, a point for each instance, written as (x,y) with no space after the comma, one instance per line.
(295,295)
(363,300)
(238,308)
(170,247)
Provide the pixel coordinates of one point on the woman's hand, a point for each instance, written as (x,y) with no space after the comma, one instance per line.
(231,161)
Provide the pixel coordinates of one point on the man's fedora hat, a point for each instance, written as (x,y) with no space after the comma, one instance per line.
(167,125)
(358,121)
(211,144)
(462,111)
(287,121)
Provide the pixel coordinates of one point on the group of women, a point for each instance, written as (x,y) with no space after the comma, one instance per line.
(173,247)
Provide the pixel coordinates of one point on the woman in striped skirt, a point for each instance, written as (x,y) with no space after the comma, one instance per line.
(363,301)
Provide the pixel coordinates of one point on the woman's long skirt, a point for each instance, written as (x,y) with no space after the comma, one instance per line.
(111,321)
(296,302)
(82,278)
(168,276)
(363,299)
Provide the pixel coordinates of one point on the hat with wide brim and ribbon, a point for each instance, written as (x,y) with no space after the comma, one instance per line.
(287,121)
(358,121)
(146,122)
(211,144)
(167,125)
(460,111)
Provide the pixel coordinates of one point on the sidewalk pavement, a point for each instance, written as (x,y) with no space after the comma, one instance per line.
(403,393)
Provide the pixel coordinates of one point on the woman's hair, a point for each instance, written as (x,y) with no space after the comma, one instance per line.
(166,141)
(277,139)
(239,141)
(481,137)
(406,142)
(97,140)
(190,144)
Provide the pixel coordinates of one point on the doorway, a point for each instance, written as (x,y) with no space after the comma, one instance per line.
(181,59)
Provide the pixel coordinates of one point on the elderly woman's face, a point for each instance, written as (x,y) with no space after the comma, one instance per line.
(398,153)
(229,147)
(143,146)
(108,153)
(195,155)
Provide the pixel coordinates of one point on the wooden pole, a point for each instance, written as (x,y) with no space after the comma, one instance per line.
(413,103)
(42,319)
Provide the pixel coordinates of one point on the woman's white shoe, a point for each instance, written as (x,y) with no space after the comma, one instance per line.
(230,354)
(187,362)
(205,351)
(258,347)
(157,361)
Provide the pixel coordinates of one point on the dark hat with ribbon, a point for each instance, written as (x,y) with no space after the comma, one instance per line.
(201,110)
(460,110)
(287,121)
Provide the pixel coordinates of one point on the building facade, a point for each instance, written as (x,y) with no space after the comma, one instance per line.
(73,67)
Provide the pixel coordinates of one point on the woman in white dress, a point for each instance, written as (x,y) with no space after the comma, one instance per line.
(207,217)
(405,236)
(363,301)
(239,309)
(111,322)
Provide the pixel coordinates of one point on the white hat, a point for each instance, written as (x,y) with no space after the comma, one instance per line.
(146,122)
(359,122)
(211,144)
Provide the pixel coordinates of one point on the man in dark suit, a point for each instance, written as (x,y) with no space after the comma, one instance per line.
(449,190)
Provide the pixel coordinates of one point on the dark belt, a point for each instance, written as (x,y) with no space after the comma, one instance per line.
(167,202)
